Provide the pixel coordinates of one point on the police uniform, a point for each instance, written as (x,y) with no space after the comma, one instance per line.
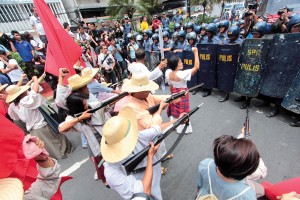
(222,37)
(214,40)
(168,44)
(237,41)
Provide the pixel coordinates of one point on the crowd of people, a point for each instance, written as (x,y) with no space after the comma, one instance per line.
(114,134)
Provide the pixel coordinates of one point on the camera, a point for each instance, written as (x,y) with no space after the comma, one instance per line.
(248,13)
(109,61)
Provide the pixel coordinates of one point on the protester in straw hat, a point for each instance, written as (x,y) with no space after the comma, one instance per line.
(11,188)
(140,99)
(24,104)
(121,139)
(88,124)
(94,86)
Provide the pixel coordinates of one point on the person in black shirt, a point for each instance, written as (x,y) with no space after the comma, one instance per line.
(94,34)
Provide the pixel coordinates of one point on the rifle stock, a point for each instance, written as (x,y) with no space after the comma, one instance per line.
(106,103)
(154,109)
(133,162)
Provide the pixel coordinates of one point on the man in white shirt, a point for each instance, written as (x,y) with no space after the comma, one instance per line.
(68,29)
(139,66)
(37,26)
(107,64)
(10,67)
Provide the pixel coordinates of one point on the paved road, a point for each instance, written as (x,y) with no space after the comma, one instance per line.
(277,142)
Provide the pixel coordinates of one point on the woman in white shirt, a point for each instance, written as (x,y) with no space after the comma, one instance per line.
(177,79)
(24,106)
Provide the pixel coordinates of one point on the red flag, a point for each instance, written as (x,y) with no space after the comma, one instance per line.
(62,50)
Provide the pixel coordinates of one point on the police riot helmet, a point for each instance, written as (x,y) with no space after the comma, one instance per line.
(217,24)
(189,25)
(198,29)
(167,29)
(175,35)
(176,26)
(269,28)
(139,37)
(293,21)
(191,36)
(130,36)
(135,34)
(211,27)
(203,26)
(260,27)
(155,36)
(233,31)
(224,23)
(148,32)
(165,34)
(236,23)
(215,21)
(182,33)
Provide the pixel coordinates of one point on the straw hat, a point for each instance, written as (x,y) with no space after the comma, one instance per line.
(105,84)
(2,87)
(139,82)
(11,189)
(13,91)
(120,135)
(76,82)
(91,72)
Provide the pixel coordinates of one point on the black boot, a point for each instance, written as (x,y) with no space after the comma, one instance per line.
(206,93)
(295,124)
(224,98)
(239,99)
(263,104)
(194,92)
(245,104)
(274,112)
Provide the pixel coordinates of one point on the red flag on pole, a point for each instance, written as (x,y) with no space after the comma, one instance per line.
(62,50)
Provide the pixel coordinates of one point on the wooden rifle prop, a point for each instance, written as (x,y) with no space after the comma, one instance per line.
(106,103)
(130,165)
(161,43)
(247,125)
(154,109)
(116,84)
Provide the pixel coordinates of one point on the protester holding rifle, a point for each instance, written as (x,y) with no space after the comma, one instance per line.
(121,140)
(177,79)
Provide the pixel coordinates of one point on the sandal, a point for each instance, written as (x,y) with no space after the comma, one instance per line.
(170,156)
(164,170)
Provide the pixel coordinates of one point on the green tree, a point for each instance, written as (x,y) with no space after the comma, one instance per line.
(151,6)
(117,8)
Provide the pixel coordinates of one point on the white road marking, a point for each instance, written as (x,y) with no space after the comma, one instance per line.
(73,168)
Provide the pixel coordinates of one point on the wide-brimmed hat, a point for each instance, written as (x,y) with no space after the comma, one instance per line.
(89,72)
(120,135)
(76,82)
(13,91)
(2,87)
(139,82)
(11,188)
(30,149)
(105,84)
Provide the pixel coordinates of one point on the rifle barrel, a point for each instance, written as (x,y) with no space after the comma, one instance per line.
(131,163)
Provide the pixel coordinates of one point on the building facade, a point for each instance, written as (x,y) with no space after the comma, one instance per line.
(15,14)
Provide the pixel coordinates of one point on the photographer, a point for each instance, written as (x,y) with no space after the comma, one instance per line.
(107,63)
(116,51)
(280,24)
(25,50)
(250,19)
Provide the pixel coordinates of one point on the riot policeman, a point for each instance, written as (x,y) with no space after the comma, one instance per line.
(222,35)
(203,35)
(175,38)
(139,40)
(155,44)
(189,27)
(182,42)
(294,27)
(147,46)
(259,29)
(211,31)
(233,35)
(167,42)
(177,27)
(191,38)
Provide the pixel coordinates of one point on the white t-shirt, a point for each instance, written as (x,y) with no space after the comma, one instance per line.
(183,75)
(39,45)
(36,21)
(14,75)
(141,68)
(105,64)
(83,37)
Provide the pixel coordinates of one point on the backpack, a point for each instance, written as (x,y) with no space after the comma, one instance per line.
(211,196)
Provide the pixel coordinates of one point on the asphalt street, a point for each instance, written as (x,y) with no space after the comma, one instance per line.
(277,142)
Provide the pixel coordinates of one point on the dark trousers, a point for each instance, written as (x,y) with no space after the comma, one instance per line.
(110,76)
(29,69)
